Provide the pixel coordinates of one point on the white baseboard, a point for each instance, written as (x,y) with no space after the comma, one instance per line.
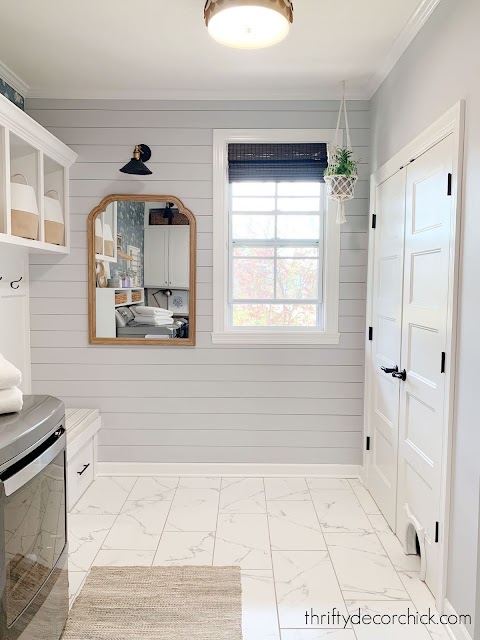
(226,469)
(455,631)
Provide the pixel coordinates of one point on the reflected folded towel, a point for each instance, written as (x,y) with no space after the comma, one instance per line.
(151,322)
(11,400)
(10,376)
(151,311)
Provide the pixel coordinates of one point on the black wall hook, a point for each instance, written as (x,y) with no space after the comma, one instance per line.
(15,282)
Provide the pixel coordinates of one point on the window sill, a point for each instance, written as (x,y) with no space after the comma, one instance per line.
(275,337)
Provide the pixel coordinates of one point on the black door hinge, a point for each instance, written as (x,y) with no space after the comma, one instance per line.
(437,526)
(374,221)
(442,364)
(370,333)
(449,185)
(367,446)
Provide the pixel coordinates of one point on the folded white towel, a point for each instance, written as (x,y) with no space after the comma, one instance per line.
(151,311)
(10,376)
(11,400)
(152,322)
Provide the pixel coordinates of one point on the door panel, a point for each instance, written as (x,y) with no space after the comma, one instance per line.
(427,251)
(387,317)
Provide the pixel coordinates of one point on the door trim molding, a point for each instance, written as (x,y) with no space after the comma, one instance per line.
(457,631)
(451,123)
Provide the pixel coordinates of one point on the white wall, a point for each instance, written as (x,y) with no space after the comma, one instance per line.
(14,310)
(209,403)
(439,68)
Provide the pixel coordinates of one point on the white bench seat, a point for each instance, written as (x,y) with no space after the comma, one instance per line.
(82,427)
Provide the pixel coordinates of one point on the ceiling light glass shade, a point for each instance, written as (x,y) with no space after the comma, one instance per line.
(248,24)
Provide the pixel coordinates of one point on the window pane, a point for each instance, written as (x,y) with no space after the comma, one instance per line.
(298,204)
(297,252)
(253,252)
(299,188)
(253,279)
(298,227)
(274,315)
(253,189)
(297,279)
(253,227)
(253,204)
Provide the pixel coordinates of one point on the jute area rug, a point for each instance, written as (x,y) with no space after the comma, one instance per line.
(158,603)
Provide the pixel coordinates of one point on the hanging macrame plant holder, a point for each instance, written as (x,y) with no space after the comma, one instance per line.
(340,187)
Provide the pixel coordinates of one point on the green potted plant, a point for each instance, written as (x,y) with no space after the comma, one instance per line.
(342,163)
(341,176)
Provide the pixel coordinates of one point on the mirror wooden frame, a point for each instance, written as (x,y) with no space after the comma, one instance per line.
(92,317)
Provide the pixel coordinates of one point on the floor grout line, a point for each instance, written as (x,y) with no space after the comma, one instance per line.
(216,523)
(166,520)
(271,560)
(330,557)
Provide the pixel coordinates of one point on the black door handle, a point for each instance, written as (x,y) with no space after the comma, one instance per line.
(387,370)
(85,467)
(402,375)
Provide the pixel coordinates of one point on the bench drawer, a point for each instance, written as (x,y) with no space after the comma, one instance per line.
(80,472)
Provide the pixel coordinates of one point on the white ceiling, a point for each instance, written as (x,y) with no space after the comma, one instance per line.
(161,49)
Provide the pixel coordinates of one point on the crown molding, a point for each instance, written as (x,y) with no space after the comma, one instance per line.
(13,80)
(406,36)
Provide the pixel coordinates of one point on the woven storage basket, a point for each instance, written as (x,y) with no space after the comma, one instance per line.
(54,232)
(121,298)
(136,296)
(25,218)
(98,237)
(109,248)
(108,244)
(54,225)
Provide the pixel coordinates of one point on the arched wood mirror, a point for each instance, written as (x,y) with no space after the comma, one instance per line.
(141,271)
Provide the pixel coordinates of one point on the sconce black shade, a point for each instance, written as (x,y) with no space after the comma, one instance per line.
(136,166)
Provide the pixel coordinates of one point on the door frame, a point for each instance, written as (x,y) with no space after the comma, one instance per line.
(451,123)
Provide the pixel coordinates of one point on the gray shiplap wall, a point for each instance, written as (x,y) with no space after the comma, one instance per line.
(209,403)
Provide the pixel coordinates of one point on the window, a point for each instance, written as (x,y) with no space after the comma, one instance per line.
(276,248)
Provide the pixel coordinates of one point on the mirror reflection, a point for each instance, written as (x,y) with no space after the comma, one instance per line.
(142,271)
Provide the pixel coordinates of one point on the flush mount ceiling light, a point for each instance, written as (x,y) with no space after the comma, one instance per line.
(248,24)
(136,166)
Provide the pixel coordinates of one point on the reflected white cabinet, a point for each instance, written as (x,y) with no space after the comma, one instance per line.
(156,256)
(178,256)
(167,256)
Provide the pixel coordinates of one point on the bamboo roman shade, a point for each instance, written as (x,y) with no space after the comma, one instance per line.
(277,162)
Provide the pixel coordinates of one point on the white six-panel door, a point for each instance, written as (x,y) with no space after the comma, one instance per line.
(411,269)
(424,338)
(387,332)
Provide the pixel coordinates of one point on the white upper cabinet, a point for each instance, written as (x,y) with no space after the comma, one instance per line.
(167,256)
(34,167)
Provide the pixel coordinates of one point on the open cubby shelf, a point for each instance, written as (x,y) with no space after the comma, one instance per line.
(41,161)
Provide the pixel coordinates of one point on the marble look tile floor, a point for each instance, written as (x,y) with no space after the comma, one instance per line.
(302,544)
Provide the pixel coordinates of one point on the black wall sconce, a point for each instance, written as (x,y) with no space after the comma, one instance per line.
(136,166)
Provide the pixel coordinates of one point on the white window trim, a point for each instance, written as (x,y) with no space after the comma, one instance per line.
(222,333)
